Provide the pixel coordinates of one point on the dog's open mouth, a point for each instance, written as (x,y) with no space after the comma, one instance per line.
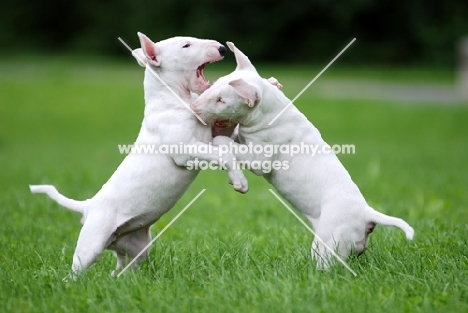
(200,73)
(201,76)
(223,123)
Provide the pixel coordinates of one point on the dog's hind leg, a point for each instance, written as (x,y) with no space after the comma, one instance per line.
(140,240)
(129,246)
(93,239)
(121,261)
(321,255)
(328,245)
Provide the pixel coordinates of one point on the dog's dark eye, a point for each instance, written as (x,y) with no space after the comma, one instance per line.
(186,45)
(220,100)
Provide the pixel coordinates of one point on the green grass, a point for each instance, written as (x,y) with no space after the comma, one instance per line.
(228,252)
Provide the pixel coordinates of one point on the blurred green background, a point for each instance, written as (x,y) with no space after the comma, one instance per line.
(389,31)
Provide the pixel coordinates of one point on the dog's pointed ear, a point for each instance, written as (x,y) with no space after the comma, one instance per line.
(140,57)
(243,62)
(150,50)
(247,91)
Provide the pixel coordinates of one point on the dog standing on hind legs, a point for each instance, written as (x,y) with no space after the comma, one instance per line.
(144,187)
(316,185)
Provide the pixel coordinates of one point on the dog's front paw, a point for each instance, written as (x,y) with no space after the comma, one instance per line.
(238,181)
(275,82)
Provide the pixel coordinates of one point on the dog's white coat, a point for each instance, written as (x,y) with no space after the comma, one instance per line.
(144,187)
(318,186)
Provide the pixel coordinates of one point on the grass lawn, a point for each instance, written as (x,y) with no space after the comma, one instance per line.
(61,121)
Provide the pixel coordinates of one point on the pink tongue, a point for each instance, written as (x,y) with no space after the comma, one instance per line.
(200,71)
(222,123)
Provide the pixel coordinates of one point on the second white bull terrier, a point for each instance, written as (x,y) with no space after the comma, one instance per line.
(318,186)
(144,187)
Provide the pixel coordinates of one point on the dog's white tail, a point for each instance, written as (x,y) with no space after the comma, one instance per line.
(51,191)
(380,218)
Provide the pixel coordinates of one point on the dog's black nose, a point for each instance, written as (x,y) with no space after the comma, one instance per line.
(222,50)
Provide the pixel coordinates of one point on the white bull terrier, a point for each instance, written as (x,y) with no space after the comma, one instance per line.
(144,187)
(318,186)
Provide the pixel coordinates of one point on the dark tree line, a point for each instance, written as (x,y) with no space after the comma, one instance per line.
(388,31)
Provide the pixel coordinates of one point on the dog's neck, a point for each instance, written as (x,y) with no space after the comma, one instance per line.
(256,125)
(161,95)
(166,84)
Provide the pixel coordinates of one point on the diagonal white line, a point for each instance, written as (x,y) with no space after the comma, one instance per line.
(311,82)
(163,82)
(160,233)
(316,236)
